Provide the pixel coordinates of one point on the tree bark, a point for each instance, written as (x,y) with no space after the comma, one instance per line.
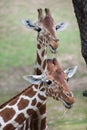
(80,8)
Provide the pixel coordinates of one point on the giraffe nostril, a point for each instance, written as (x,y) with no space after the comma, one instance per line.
(69,94)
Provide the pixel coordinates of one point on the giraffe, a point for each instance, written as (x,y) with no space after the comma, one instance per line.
(15,112)
(46,29)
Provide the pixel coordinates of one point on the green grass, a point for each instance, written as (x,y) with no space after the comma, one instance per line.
(5,96)
(14,52)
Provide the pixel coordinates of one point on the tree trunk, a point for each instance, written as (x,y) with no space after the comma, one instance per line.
(80,8)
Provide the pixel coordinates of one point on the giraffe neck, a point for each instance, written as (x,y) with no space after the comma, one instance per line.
(22,107)
(41,63)
(38,121)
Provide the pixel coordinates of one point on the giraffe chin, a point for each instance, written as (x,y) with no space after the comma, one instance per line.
(53,50)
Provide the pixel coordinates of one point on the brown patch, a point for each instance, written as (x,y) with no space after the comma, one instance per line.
(23,104)
(39,104)
(13,102)
(33,102)
(42,109)
(20,118)
(36,86)
(35,116)
(41,84)
(43,123)
(38,59)
(38,71)
(43,53)
(27,125)
(43,89)
(38,46)
(41,97)
(9,127)
(30,93)
(30,111)
(34,121)
(7,114)
(44,64)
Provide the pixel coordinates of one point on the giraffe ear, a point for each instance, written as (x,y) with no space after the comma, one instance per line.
(61,26)
(71,71)
(33,79)
(30,25)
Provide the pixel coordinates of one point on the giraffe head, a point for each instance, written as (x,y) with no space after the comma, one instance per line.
(46,29)
(55,81)
(59,80)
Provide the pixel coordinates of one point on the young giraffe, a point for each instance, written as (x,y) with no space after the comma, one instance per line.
(46,36)
(46,29)
(15,112)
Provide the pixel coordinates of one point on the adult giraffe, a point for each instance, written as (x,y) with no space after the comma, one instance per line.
(46,29)
(15,114)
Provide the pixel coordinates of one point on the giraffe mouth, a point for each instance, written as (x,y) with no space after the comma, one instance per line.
(52,49)
(66,104)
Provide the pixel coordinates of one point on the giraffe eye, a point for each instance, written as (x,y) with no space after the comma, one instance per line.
(67,79)
(39,29)
(49,82)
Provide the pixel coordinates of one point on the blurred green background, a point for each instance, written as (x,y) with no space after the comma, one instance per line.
(17,57)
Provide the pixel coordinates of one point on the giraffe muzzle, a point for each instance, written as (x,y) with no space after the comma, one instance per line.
(67,105)
(52,49)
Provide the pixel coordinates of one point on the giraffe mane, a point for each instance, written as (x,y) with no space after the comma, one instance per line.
(2,105)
